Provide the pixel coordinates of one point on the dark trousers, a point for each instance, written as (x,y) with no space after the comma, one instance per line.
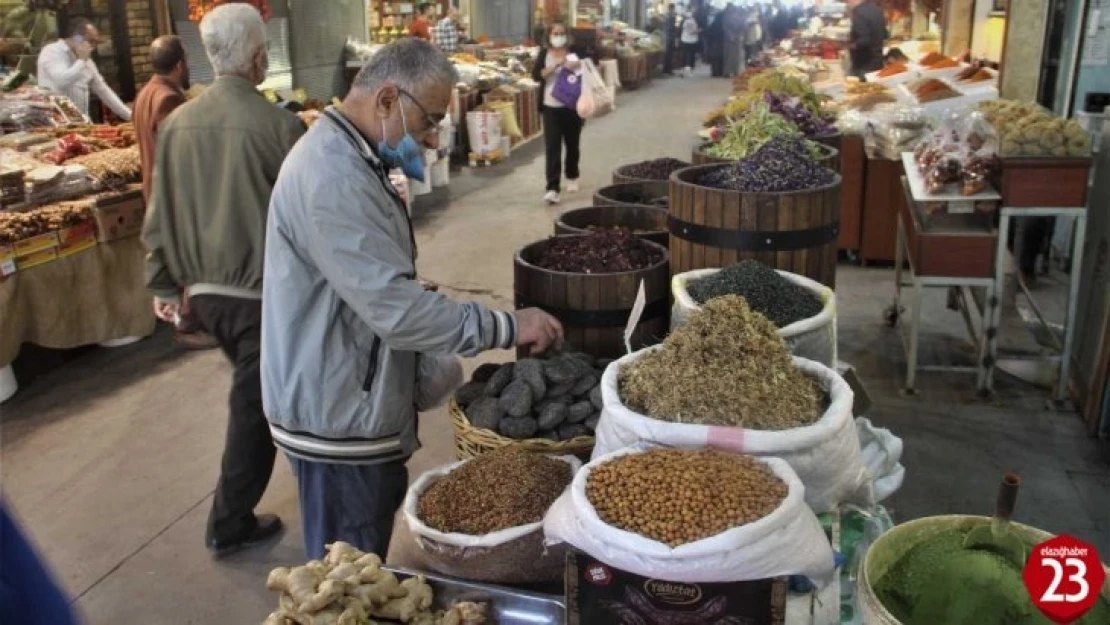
(668,56)
(354,503)
(249,452)
(690,54)
(561,126)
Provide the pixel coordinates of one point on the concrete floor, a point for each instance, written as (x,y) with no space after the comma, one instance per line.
(110,459)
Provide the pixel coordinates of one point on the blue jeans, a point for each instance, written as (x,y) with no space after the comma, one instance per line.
(348,502)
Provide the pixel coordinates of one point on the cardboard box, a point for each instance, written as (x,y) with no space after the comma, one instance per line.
(76,239)
(119,216)
(599,594)
(35,244)
(23,263)
(7,259)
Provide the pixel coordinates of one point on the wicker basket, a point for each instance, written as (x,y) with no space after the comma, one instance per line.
(471,441)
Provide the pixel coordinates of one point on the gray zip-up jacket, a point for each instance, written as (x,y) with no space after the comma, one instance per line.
(343,318)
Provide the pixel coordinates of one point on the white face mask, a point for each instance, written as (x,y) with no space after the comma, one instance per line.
(558,41)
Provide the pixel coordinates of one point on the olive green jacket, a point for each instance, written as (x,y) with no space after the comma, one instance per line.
(217,159)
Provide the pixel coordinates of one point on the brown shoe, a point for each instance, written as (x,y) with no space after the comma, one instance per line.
(196,340)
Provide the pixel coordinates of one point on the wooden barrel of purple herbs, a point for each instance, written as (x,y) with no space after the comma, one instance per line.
(645,222)
(830,156)
(833,141)
(649,193)
(594,308)
(794,231)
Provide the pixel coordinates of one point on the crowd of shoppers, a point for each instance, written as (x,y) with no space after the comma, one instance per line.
(726,40)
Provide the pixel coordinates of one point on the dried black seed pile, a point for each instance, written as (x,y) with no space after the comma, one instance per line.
(658,169)
(782,164)
(768,293)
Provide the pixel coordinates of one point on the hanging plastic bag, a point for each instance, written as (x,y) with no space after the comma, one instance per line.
(603,97)
(788,541)
(813,338)
(514,555)
(825,455)
(881,451)
(438,377)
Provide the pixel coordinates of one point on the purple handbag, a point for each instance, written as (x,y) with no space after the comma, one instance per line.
(567,89)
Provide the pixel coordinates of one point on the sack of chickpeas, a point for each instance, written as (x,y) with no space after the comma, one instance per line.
(482,519)
(692,515)
(821,446)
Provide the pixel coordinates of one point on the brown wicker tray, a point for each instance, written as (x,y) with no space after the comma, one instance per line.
(471,441)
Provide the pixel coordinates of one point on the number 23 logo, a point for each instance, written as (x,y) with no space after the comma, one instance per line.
(1079,577)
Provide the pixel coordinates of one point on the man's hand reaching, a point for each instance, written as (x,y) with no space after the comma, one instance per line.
(537,329)
(166,310)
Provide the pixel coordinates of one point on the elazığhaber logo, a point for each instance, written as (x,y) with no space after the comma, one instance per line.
(598,573)
(1064,577)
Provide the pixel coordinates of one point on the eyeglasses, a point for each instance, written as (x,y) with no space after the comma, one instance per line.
(430,121)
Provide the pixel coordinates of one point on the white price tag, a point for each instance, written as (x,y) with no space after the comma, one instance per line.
(634,317)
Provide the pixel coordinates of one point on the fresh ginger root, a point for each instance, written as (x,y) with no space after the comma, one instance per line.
(340,552)
(465,613)
(378,592)
(306,586)
(404,609)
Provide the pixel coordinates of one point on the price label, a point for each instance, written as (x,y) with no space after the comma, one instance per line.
(1064,577)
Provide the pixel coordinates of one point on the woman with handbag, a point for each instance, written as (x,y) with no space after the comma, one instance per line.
(557,69)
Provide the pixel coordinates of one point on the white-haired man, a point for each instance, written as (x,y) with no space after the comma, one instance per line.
(351,335)
(216,163)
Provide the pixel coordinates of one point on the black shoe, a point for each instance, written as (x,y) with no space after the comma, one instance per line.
(269,526)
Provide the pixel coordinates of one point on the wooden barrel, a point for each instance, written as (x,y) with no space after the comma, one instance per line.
(644,222)
(594,308)
(652,194)
(795,231)
(829,158)
(620,177)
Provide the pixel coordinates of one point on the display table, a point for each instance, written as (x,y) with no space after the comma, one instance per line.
(88,298)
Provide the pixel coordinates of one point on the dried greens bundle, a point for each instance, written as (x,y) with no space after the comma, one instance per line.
(766,292)
(725,366)
(658,169)
(607,251)
(782,164)
(504,488)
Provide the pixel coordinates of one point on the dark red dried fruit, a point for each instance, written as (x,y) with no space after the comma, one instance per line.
(605,251)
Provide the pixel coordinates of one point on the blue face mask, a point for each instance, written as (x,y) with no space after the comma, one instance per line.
(408,155)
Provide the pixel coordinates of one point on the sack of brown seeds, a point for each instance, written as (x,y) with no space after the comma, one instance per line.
(496,491)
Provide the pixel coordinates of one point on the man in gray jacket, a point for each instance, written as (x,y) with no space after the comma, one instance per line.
(348,331)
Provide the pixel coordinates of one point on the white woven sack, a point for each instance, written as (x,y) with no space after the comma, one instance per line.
(813,338)
(513,554)
(483,129)
(825,455)
(788,541)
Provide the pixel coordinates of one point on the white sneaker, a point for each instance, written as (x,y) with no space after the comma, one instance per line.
(551,197)
(572,186)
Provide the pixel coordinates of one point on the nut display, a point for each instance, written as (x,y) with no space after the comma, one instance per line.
(18,226)
(1029,130)
(113,166)
(504,488)
(557,397)
(680,496)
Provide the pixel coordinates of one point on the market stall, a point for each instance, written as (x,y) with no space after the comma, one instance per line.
(71,265)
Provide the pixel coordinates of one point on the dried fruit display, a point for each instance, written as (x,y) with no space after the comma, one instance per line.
(1028,130)
(557,398)
(782,164)
(679,496)
(608,251)
(726,365)
(504,488)
(963,151)
(16,226)
(112,167)
(349,586)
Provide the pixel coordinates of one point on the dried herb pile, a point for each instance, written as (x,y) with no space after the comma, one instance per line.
(766,292)
(557,398)
(504,488)
(725,366)
(782,164)
(608,251)
(657,169)
(678,496)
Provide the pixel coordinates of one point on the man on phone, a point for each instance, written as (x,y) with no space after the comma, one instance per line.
(66,67)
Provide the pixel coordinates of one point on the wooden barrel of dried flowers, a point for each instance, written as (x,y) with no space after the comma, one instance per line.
(830,156)
(794,231)
(594,308)
(645,222)
(651,193)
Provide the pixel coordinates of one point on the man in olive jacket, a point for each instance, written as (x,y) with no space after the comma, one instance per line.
(217,160)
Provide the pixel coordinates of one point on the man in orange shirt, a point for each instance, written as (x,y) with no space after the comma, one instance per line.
(421,27)
(161,96)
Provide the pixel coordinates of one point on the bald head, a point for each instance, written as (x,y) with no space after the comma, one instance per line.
(166,54)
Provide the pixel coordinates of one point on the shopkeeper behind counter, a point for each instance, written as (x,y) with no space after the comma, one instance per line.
(867,35)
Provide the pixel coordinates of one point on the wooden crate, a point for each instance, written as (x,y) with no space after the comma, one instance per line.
(883,199)
(119,216)
(1042,182)
(953,251)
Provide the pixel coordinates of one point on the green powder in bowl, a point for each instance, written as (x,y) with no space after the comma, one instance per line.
(938,581)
